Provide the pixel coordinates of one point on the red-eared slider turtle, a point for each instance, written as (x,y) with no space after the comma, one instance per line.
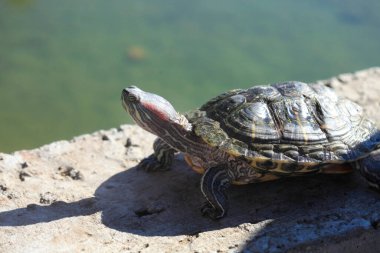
(258,134)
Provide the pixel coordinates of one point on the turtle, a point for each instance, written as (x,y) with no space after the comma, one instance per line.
(262,133)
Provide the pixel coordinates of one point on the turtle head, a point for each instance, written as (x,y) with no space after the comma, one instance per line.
(152,112)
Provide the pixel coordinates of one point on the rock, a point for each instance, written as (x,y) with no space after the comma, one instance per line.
(48,198)
(105,138)
(69,171)
(119,208)
(128,143)
(22,175)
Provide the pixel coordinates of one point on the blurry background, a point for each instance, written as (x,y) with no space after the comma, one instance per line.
(63,63)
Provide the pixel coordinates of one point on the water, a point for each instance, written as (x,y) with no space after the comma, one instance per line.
(64,63)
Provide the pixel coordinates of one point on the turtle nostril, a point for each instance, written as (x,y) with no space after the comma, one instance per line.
(125,92)
(129,90)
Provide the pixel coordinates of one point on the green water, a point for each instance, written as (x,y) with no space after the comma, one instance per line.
(64,63)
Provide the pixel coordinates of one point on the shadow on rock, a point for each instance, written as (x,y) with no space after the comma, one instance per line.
(33,214)
(153,204)
(168,203)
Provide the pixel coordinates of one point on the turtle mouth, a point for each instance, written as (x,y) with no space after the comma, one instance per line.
(129,98)
(127,101)
(124,94)
(124,102)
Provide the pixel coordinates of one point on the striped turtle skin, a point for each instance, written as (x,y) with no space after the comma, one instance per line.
(259,134)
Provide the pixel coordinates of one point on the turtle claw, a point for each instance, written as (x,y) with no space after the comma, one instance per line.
(151,164)
(208,210)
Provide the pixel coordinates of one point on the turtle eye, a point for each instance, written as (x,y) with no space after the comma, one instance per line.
(132,98)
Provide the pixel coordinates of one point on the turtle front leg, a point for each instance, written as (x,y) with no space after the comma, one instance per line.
(369,167)
(161,159)
(214,183)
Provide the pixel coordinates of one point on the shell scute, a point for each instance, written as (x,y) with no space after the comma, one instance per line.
(225,107)
(294,89)
(219,98)
(263,93)
(297,123)
(290,123)
(335,122)
(254,121)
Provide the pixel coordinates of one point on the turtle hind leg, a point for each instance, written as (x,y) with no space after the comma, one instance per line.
(161,159)
(369,167)
(214,183)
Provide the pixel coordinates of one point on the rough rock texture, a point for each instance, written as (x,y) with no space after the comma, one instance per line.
(87,195)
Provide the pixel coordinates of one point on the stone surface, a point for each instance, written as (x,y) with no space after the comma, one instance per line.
(87,195)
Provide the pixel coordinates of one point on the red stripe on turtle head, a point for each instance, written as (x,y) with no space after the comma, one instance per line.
(156,110)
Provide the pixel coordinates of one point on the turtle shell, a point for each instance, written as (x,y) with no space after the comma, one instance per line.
(289,126)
